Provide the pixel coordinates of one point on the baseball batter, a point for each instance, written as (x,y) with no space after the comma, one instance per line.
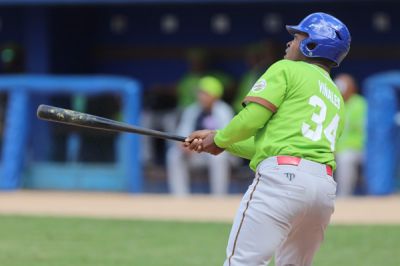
(289,127)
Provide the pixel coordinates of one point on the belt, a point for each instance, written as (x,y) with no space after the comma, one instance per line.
(290,160)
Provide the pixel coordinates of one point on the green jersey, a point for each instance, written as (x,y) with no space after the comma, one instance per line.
(354,130)
(308,114)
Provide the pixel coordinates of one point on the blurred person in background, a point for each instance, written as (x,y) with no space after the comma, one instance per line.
(209,112)
(199,65)
(197,61)
(350,147)
(166,102)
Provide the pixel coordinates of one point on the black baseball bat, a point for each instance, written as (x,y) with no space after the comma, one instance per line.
(70,117)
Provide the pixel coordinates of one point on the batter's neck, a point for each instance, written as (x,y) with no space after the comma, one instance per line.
(326,68)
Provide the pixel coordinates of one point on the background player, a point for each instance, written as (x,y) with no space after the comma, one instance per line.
(293,117)
(208,112)
(350,147)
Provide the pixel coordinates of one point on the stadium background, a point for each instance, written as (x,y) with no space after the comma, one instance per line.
(113,52)
(146,41)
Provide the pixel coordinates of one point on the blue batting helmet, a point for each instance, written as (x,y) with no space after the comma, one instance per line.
(328,37)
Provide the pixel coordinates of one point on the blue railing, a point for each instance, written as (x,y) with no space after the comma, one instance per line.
(381,154)
(15,170)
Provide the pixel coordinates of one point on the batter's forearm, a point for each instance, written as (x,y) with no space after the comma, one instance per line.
(243,126)
(244,149)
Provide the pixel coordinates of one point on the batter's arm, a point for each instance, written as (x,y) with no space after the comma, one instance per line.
(244,149)
(243,126)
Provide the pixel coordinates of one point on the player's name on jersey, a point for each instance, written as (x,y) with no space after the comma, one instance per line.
(333,98)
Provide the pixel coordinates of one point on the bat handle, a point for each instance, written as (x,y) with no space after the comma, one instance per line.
(177,138)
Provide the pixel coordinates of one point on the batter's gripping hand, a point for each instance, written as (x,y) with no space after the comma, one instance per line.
(203,141)
(194,141)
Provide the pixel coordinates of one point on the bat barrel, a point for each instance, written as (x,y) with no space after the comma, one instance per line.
(51,113)
(70,117)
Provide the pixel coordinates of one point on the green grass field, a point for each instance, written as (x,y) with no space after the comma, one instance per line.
(34,241)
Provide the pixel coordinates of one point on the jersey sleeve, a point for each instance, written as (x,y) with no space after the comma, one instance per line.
(243,149)
(271,87)
(243,125)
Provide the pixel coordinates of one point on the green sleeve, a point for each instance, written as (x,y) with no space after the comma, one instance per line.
(243,126)
(244,149)
(271,88)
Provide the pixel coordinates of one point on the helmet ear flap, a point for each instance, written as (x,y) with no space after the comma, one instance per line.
(311,45)
(307,47)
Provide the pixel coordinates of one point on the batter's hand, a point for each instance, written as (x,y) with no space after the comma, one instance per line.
(193,142)
(203,141)
(208,145)
(198,134)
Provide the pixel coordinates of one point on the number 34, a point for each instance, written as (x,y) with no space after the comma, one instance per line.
(319,119)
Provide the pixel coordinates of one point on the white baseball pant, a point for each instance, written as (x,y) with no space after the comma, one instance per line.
(179,163)
(348,163)
(285,212)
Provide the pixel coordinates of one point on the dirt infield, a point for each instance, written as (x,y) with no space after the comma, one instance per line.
(363,210)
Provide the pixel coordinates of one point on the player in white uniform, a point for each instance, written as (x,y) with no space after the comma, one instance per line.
(209,112)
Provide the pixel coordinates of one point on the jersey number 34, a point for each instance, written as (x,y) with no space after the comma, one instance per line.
(319,119)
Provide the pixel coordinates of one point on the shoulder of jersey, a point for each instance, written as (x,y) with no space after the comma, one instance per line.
(285,63)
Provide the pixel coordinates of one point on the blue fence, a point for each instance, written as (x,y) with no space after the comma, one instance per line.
(123,175)
(382,152)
